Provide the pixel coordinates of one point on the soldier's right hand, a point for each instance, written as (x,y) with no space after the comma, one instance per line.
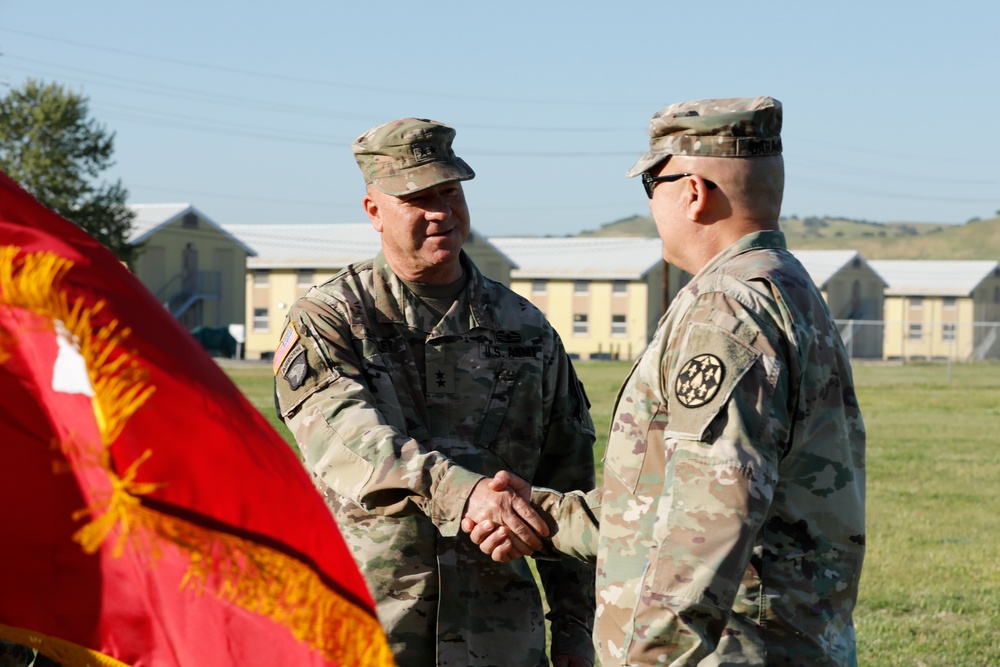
(505,502)
(496,540)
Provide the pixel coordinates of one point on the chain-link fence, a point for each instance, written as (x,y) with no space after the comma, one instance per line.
(921,341)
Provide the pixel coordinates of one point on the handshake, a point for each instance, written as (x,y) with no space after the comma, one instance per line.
(509,519)
(500,518)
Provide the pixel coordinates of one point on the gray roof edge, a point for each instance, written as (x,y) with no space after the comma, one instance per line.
(190,208)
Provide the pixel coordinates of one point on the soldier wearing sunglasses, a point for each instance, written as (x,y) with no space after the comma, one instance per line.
(731,525)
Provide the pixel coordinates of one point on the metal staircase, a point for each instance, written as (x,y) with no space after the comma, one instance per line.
(182,292)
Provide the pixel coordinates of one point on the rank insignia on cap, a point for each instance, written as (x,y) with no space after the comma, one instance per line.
(699,380)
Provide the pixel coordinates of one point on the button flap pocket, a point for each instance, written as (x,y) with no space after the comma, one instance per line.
(711,362)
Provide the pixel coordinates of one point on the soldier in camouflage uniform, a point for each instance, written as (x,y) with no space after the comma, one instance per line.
(732,524)
(410,378)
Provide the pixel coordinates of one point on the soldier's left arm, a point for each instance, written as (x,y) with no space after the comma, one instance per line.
(567,464)
(727,387)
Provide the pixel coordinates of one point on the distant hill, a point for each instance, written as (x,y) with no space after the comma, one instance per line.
(976,239)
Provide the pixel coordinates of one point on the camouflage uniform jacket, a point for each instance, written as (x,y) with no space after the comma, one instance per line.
(732,518)
(398,415)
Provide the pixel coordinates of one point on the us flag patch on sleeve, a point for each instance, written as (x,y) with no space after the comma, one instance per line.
(288,338)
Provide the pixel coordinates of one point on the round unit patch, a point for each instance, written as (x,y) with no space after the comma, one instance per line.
(699,380)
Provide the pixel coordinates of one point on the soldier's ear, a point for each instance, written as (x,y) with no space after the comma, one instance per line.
(697,194)
(373,211)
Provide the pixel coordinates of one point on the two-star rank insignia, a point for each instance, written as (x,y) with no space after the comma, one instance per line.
(699,380)
(440,378)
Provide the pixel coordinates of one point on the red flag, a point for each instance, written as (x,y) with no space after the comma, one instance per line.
(150,515)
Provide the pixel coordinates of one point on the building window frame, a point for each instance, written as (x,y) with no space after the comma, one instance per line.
(581,287)
(949,331)
(581,324)
(619,287)
(619,326)
(261,320)
(539,286)
(915,331)
(261,278)
(305,278)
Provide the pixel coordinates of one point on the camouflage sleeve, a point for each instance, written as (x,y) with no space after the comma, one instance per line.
(567,464)
(726,385)
(574,525)
(347,444)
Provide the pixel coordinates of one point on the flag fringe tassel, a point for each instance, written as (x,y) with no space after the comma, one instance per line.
(248,574)
(65,653)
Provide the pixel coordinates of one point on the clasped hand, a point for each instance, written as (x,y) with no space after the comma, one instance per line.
(499,518)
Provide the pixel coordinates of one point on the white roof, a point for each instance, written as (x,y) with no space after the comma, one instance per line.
(151,217)
(933,277)
(312,246)
(581,258)
(822,265)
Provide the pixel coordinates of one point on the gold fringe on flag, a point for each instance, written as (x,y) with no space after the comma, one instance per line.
(64,652)
(237,570)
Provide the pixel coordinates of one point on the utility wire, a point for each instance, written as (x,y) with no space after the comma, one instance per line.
(310,81)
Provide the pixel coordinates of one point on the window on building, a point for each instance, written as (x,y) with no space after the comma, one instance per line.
(189,221)
(580,325)
(581,287)
(950,302)
(260,320)
(539,286)
(916,302)
(619,327)
(916,331)
(261,278)
(996,295)
(948,331)
(306,278)
(619,287)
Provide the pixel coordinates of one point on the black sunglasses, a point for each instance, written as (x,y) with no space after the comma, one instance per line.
(649,182)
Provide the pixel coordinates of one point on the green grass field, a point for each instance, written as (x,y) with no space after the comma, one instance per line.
(930,593)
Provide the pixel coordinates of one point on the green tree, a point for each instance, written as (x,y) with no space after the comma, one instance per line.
(55,151)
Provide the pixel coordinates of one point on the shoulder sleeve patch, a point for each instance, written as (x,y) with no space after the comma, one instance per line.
(288,338)
(712,361)
(301,372)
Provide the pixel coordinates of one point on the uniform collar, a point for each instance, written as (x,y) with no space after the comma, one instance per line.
(398,305)
(763,240)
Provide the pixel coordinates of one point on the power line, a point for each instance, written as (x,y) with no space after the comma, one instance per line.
(307,80)
(175,92)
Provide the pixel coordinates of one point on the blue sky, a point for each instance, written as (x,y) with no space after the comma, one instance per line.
(247,109)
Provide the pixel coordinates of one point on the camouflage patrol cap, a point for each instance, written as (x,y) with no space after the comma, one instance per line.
(409,155)
(729,127)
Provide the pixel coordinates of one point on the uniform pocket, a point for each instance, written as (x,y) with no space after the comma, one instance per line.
(511,423)
(639,421)
(712,361)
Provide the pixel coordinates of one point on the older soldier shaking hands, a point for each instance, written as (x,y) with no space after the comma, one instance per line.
(732,519)
(388,376)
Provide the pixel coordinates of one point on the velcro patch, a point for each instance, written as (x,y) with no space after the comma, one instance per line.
(715,362)
(495,351)
(288,338)
(296,370)
(440,379)
(509,337)
(699,380)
